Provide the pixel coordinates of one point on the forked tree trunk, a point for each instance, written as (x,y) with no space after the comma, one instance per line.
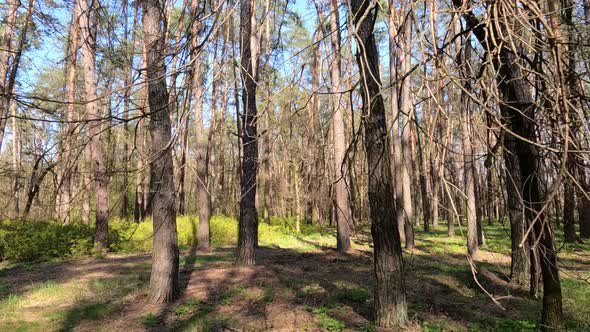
(390,296)
(248,222)
(164,275)
(101,178)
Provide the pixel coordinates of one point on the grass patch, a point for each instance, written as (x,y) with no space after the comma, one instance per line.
(325,321)
(151,320)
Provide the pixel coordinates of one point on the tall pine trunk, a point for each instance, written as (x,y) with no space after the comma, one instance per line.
(164,275)
(248,222)
(201,139)
(390,297)
(518,109)
(94,118)
(343,212)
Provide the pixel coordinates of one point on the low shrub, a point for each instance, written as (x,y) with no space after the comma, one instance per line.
(38,240)
(47,240)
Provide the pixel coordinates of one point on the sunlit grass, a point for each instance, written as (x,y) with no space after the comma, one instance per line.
(64,305)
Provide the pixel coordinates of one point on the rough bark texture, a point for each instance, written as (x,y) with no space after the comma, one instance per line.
(164,275)
(398,165)
(16,162)
(569,202)
(518,113)
(248,222)
(468,159)
(101,178)
(5,52)
(341,201)
(130,43)
(203,199)
(425,188)
(65,185)
(390,298)
(406,108)
(521,261)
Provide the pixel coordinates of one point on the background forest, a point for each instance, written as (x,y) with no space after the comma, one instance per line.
(356,165)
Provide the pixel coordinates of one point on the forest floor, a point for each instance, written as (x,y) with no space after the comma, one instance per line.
(305,287)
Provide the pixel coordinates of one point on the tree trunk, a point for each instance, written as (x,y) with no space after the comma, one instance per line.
(398,166)
(390,298)
(16,162)
(266,158)
(202,168)
(248,222)
(406,114)
(424,182)
(5,52)
(130,47)
(101,178)
(518,113)
(64,198)
(343,212)
(183,153)
(468,159)
(164,275)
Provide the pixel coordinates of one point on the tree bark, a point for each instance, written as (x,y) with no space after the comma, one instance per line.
(202,167)
(406,114)
(101,178)
(468,159)
(518,113)
(16,162)
(130,47)
(390,298)
(164,275)
(248,222)
(343,212)
(5,52)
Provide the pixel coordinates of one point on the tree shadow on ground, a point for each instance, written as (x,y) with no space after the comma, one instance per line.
(318,286)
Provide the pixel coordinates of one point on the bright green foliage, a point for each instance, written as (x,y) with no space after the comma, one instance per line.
(325,321)
(36,240)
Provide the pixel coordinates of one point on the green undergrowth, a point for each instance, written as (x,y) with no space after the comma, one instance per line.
(445,297)
(46,241)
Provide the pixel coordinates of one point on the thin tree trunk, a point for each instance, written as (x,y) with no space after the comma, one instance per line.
(424,182)
(201,139)
(397,165)
(16,162)
(341,201)
(182,164)
(467,144)
(124,209)
(406,114)
(65,185)
(101,178)
(5,52)
(267,110)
